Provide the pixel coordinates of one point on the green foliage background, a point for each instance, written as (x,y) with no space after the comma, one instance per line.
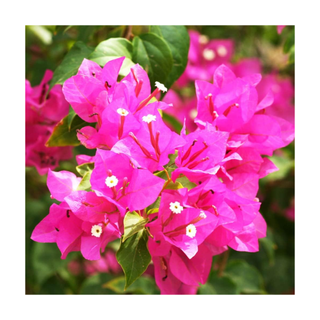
(270,271)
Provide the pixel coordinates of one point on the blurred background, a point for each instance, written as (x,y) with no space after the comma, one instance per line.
(265,49)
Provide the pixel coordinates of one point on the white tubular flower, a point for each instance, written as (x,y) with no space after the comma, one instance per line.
(191,230)
(160,86)
(149,118)
(222,51)
(96,231)
(175,207)
(111,181)
(208,54)
(202,215)
(122,112)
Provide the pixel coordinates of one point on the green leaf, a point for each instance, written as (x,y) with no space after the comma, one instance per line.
(46,259)
(70,63)
(154,55)
(291,55)
(218,285)
(223,284)
(111,49)
(245,276)
(65,132)
(289,42)
(84,168)
(85,182)
(42,33)
(174,185)
(153,208)
(284,164)
(172,121)
(172,158)
(133,223)
(94,284)
(178,40)
(186,183)
(143,285)
(269,246)
(134,257)
(116,32)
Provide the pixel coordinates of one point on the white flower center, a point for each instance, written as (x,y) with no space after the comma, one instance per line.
(203,39)
(208,54)
(175,207)
(96,231)
(122,112)
(222,51)
(160,86)
(202,215)
(111,181)
(149,118)
(191,230)
(193,113)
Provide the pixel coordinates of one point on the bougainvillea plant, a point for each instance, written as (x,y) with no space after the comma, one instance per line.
(173,200)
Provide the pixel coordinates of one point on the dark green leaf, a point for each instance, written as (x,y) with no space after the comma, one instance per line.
(116,32)
(70,63)
(134,257)
(111,49)
(269,246)
(172,121)
(154,207)
(154,55)
(46,259)
(94,284)
(218,285)
(143,285)
(245,276)
(177,38)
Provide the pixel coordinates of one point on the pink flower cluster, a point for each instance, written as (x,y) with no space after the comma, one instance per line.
(221,161)
(42,113)
(205,56)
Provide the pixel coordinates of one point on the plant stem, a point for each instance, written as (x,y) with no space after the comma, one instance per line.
(128,32)
(223,263)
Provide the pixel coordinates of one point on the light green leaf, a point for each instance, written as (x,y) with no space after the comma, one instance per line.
(186,183)
(42,33)
(85,182)
(174,185)
(133,223)
(111,49)
(84,168)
